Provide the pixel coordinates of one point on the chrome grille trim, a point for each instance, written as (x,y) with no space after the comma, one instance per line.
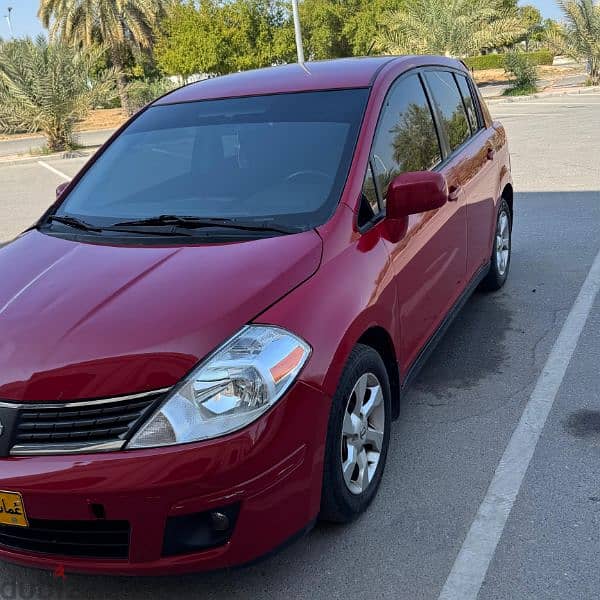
(61,449)
(27,426)
(78,403)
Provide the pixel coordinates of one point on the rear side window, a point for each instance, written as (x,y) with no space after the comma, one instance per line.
(449,103)
(468,101)
(406,138)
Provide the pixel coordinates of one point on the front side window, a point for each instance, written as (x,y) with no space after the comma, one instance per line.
(406,138)
(281,159)
(450,106)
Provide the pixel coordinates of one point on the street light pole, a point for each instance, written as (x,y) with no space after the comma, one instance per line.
(10,29)
(298,33)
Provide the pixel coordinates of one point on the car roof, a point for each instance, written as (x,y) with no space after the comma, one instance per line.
(340,73)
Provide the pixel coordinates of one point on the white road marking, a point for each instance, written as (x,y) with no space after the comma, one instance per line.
(55,171)
(471,564)
(564,103)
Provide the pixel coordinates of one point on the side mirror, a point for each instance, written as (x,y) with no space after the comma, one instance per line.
(415,192)
(61,188)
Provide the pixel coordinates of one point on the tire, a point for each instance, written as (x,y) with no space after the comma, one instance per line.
(501,250)
(352,426)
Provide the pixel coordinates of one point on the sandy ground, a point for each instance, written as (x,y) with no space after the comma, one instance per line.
(498,76)
(102,118)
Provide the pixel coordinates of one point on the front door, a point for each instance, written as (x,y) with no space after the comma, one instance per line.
(429,257)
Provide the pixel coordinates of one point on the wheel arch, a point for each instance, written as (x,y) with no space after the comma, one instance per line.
(380,340)
(507,194)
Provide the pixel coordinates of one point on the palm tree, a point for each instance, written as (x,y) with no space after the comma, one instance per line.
(120,25)
(46,86)
(452,28)
(581,36)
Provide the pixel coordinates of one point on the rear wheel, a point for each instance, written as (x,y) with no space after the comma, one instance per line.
(358,437)
(501,251)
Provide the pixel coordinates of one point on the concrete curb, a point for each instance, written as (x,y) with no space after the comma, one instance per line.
(16,159)
(582,91)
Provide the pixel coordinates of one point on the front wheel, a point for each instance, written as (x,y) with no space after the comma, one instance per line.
(501,251)
(358,437)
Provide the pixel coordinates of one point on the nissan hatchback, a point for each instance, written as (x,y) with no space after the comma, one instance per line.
(207,336)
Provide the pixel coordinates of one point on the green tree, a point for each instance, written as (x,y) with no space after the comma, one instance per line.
(531,19)
(220,37)
(191,40)
(253,33)
(581,35)
(338,28)
(361,24)
(120,25)
(458,28)
(47,86)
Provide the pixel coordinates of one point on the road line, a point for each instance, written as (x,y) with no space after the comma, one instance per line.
(473,560)
(55,171)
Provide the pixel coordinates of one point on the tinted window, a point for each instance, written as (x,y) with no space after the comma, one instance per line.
(468,102)
(450,106)
(406,138)
(282,158)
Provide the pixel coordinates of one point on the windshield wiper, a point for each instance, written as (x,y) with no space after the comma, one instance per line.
(73,222)
(199,222)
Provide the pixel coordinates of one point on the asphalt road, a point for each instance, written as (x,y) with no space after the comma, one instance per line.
(458,418)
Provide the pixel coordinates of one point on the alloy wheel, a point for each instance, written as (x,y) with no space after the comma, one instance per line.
(502,242)
(362,433)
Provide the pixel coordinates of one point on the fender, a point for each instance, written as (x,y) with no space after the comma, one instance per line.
(352,291)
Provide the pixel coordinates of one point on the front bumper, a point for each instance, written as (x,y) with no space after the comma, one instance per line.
(272,470)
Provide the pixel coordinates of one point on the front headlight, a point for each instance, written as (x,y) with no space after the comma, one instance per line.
(229,390)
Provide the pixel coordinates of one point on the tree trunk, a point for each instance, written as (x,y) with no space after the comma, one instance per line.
(117,62)
(595,72)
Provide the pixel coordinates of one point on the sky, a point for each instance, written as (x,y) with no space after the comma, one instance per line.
(25,21)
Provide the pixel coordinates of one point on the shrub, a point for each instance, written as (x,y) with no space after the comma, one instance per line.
(144,91)
(498,61)
(523,72)
(48,86)
(486,61)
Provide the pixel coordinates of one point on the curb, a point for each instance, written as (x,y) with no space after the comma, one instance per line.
(583,91)
(11,160)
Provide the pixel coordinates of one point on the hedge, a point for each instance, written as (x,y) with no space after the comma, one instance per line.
(496,61)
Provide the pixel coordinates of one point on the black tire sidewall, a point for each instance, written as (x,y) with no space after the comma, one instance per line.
(338,503)
(494,279)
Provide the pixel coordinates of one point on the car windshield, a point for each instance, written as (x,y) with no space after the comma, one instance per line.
(279,159)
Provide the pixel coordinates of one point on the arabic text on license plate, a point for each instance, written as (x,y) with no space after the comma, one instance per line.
(12,510)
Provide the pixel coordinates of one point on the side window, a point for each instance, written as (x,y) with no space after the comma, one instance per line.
(450,106)
(465,91)
(370,201)
(406,138)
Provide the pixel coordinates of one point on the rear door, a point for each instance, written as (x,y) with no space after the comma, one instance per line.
(469,165)
(429,257)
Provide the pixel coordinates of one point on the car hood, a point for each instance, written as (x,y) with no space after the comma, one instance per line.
(81,320)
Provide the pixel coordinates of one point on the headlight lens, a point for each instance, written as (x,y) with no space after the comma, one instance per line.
(229,390)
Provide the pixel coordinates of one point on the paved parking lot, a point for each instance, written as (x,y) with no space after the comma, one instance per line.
(459,417)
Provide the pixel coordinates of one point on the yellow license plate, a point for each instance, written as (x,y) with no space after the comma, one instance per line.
(12,510)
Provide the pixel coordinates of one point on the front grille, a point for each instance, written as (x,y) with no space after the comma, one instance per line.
(80,426)
(92,539)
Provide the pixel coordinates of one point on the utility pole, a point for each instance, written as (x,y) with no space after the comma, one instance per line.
(7,17)
(298,32)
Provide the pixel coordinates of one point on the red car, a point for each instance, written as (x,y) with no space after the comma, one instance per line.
(206,338)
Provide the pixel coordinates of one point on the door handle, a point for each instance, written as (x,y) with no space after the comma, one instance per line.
(454,193)
(490,154)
